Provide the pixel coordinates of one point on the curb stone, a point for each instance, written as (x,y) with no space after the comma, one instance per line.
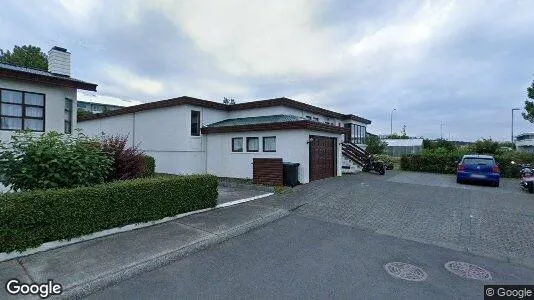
(99,283)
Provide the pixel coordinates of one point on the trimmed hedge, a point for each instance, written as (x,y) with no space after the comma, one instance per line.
(447,162)
(149,166)
(28,219)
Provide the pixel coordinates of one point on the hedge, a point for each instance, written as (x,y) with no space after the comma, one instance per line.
(149,166)
(447,162)
(28,219)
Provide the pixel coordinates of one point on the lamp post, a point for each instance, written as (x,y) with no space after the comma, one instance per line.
(391,122)
(513,109)
(441,130)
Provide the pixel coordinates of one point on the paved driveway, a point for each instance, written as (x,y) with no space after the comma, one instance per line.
(429,208)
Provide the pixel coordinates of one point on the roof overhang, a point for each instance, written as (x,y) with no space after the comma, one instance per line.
(48,80)
(304,124)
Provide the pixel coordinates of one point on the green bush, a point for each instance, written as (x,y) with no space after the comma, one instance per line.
(375,145)
(386,159)
(51,160)
(28,219)
(149,166)
(443,161)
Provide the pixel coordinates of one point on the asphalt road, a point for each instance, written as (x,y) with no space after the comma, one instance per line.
(342,232)
(301,258)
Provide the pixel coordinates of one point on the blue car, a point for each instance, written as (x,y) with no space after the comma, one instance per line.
(478,168)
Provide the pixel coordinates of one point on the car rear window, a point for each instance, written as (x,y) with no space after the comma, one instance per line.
(478,161)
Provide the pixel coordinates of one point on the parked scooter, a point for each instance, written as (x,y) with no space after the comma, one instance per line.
(527,177)
(373,165)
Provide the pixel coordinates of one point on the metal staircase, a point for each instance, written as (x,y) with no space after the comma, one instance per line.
(355,157)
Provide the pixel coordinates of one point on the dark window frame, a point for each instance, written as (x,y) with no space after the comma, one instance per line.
(263,142)
(68,123)
(233,148)
(23,106)
(195,131)
(252,138)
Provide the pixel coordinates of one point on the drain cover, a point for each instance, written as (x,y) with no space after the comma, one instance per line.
(468,270)
(405,271)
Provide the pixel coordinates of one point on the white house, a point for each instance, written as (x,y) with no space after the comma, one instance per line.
(525,142)
(189,136)
(39,101)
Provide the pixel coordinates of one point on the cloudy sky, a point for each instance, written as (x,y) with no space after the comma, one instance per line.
(461,63)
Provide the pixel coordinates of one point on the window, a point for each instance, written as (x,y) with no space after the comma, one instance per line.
(316,119)
(358,133)
(68,115)
(195,122)
(253,144)
(237,144)
(21,110)
(269,144)
(308,117)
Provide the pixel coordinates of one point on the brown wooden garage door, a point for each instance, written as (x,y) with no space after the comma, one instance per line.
(323,157)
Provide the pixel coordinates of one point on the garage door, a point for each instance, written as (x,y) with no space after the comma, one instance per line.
(322,157)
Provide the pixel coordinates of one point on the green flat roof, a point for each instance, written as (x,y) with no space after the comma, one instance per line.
(256,120)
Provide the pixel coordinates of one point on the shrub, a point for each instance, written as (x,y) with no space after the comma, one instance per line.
(29,219)
(375,145)
(149,166)
(128,161)
(31,161)
(386,159)
(485,146)
(436,161)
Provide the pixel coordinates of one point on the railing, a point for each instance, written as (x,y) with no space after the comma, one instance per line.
(355,153)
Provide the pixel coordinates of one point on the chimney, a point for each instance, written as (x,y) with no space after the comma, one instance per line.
(59,61)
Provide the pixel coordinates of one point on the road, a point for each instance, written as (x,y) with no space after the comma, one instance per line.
(342,233)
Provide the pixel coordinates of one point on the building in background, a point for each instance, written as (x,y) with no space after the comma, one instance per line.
(525,142)
(96,104)
(400,147)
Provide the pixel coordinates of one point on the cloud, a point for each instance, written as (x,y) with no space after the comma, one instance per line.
(435,61)
(120,78)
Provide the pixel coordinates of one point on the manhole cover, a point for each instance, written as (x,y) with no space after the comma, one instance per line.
(468,270)
(405,271)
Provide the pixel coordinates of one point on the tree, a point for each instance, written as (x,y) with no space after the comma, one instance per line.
(27,56)
(81,113)
(375,145)
(486,146)
(439,143)
(529,105)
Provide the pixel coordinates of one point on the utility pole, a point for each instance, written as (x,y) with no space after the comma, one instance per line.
(391,122)
(441,129)
(513,109)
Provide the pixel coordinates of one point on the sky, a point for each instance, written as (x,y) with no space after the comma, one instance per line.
(463,64)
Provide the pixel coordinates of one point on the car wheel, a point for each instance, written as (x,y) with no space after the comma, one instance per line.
(458,180)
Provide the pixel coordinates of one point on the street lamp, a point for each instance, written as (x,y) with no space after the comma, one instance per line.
(441,130)
(391,123)
(513,109)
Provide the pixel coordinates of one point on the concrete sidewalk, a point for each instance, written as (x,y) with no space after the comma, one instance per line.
(88,266)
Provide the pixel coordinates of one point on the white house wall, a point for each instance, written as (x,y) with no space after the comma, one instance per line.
(291,146)
(164,134)
(281,110)
(54,104)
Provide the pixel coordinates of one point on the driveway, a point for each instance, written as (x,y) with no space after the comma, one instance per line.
(429,208)
(343,232)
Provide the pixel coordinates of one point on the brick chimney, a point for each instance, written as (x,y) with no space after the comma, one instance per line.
(59,61)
